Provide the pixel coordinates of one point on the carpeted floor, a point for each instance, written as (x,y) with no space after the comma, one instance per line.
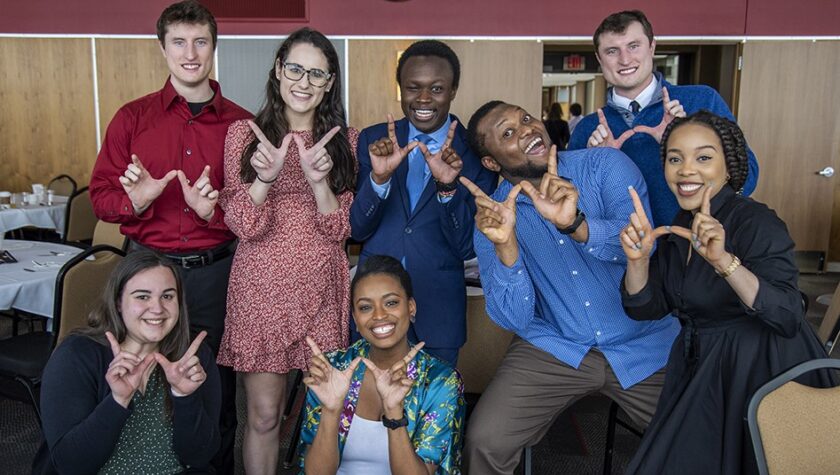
(575,444)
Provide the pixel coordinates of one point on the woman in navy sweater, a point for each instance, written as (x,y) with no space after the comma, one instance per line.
(130,394)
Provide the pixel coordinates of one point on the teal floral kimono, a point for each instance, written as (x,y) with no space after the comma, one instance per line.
(434,407)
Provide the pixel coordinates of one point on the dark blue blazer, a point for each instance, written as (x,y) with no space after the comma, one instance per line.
(435,239)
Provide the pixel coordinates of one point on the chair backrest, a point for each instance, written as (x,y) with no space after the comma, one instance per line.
(63,185)
(791,424)
(79,221)
(108,233)
(79,287)
(486,345)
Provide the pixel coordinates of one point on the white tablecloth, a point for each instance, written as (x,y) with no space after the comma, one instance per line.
(40,216)
(34,290)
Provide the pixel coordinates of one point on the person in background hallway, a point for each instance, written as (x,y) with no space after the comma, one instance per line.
(289,181)
(178,134)
(129,393)
(575,114)
(725,268)
(380,406)
(409,204)
(550,264)
(640,104)
(557,128)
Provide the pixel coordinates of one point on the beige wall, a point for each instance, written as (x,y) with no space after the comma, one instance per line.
(505,70)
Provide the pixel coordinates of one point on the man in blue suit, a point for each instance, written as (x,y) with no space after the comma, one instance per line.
(415,209)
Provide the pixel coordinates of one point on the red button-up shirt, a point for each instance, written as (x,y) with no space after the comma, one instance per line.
(160,129)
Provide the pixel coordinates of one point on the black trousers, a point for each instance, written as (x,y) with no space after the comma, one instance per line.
(205,289)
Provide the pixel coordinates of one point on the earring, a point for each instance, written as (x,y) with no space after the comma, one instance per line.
(727,177)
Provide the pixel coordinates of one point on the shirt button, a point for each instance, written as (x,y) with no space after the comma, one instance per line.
(591,249)
(186,210)
(526,298)
(519,272)
(189,122)
(408,230)
(615,258)
(574,272)
(561,241)
(586,303)
(189,151)
(185,239)
(597,333)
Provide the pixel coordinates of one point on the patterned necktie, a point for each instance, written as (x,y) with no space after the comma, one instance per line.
(635,107)
(416,179)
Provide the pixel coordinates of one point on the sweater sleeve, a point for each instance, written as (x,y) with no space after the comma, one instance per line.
(196,417)
(81,420)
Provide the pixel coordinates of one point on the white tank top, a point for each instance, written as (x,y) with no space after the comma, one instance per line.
(366,449)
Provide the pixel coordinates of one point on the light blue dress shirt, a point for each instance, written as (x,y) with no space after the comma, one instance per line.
(563,296)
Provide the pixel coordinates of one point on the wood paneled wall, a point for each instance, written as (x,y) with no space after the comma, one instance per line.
(47,124)
(503,70)
(126,69)
(788,107)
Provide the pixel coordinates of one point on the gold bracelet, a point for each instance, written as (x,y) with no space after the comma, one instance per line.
(736,263)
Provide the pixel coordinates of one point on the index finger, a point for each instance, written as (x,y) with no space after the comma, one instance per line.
(474,189)
(413,352)
(392,134)
(638,207)
(602,119)
(313,346)
(450,135)
(552,160)
(666,98)
(193,349)
(706,207)
(323,142)
(115,346)
(260,135)
(513,193)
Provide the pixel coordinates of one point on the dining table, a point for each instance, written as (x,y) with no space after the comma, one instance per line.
(43,215)
(29,283)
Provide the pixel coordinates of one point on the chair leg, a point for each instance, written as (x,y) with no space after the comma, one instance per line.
(30,389)
(610,443)
(291,453)
(290,403)
(528,462)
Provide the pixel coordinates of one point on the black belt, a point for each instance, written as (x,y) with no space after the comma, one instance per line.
(196,259)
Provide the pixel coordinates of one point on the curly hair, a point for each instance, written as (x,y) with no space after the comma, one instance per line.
(731,138)
(431,48)
(271,118)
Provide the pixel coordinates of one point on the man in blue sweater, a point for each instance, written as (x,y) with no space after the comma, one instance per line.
(640,104)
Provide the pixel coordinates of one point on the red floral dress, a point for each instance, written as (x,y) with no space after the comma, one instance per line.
(290,273)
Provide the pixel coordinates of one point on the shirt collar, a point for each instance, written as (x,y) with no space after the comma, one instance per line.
(438,135)
(170,95)
(644,98)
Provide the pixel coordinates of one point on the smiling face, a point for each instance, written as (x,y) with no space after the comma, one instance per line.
(426,91)
(149,306)
(518,143)
(382,311)
(694,161)
(188,49)
(301,97)
(627,59)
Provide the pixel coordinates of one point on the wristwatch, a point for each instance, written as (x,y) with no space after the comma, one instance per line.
(575,224)
(394,423)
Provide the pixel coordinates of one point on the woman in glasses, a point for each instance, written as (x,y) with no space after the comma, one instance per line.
(289,177)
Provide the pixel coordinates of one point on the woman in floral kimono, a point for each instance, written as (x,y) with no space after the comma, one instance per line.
(382,406)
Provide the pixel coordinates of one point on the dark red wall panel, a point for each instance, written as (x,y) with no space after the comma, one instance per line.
(446,17)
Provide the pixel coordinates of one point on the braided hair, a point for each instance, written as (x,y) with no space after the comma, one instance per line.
(731,138)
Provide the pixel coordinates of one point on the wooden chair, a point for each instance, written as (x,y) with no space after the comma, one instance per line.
(109,234)
(791,425)
(63,185)
(79,220)
(78,288)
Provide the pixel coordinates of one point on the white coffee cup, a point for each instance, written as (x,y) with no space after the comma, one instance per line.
(33,199)
(37,189)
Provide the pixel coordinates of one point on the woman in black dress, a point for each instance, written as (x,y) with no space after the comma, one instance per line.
(726,270)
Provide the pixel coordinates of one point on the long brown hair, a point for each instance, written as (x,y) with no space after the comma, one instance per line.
(271,118)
